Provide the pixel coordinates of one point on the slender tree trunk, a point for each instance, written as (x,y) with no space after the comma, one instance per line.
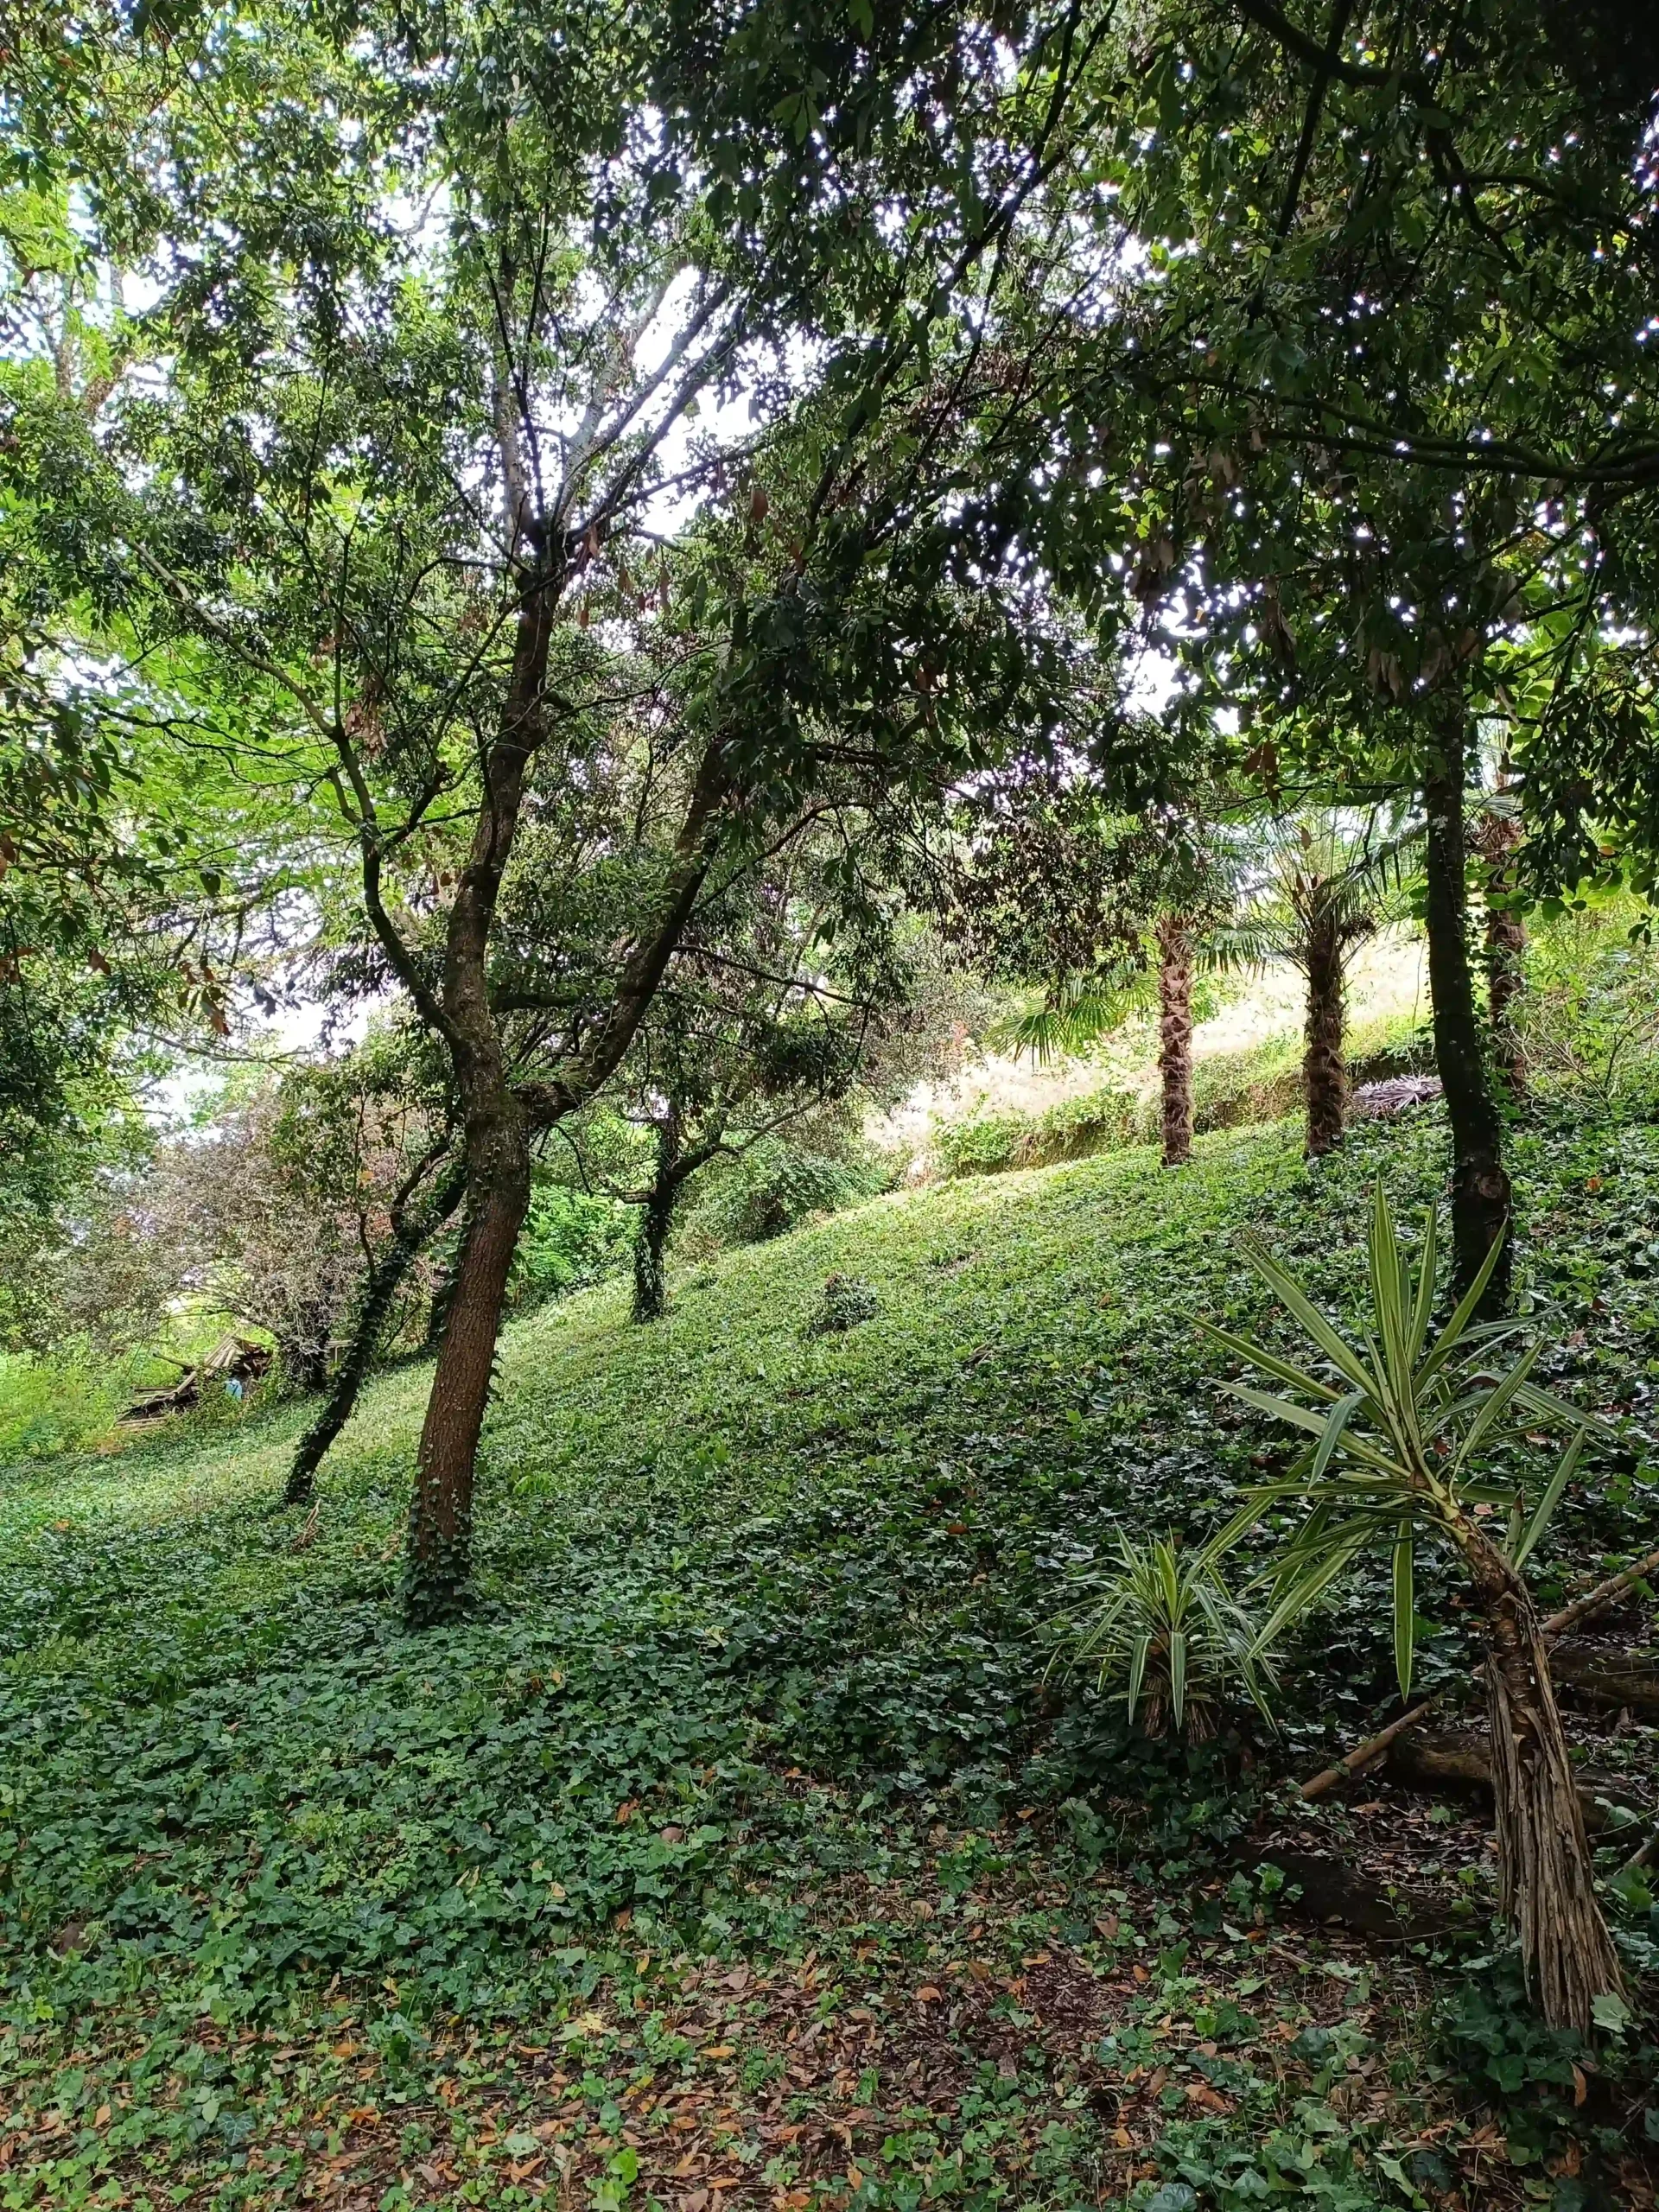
(1506,950)
(385,1280)
(437,1316)
(1506,957)
(1480,1186)
(1175,1035)
(441,1510)
(1545,1872)
(1325,1070)
(655,1217)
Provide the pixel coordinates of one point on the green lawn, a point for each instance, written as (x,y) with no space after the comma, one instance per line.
(756,1672)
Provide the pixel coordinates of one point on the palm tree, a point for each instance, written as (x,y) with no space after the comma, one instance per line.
(1172,919)
(1324,883)
(1403,1426)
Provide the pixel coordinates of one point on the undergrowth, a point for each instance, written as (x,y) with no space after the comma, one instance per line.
(755,1674)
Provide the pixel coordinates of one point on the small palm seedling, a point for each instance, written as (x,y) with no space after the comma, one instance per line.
(1171,1640)
(1402,1423)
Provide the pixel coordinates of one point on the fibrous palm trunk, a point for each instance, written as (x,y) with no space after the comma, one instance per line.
(1175,1035)
(1325,1070)
(1480,1184)
(1546,1878)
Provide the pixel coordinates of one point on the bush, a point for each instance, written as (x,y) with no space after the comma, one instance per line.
(48,1406)
(1590,1014)
(569,1240)
(1076,1128)
(847,1302)
(770,1190)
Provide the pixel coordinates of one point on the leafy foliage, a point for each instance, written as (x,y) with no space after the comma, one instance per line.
(1403,1429)
(719,1550)
(1168,1635)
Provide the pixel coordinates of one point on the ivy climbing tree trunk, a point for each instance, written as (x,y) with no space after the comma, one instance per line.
(409,1238)
(1505,950)
(1545,1874)
(656,1218)
(1175,1035)
(1480,1184)
(1325,1070)
(500,1119)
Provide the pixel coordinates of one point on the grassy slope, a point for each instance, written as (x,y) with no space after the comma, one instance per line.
(756,1646)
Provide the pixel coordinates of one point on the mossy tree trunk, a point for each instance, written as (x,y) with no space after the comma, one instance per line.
(1480,1184)
(1325,1068)
(656,1218)
(1175,1035)
(409,1238)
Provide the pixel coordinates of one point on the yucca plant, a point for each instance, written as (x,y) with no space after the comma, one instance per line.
(1172,1641)
(1402,1423)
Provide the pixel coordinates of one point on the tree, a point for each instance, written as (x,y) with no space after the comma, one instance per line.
(1497,839)
(1401,1434)
(1102,911)
(398,482)
(1345,445)
(1325,884)
(803,991)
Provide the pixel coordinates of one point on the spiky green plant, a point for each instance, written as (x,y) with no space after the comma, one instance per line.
(1171,1640)
(1402,1423)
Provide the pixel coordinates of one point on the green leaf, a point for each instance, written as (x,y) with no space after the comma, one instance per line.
(1282,1370)
(1330,1435)
(1450,1336)
(1550,1500)
(1404,1613)
(1138,1670)
(1289,1293)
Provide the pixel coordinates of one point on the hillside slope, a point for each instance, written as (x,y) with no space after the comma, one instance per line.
(762,1620)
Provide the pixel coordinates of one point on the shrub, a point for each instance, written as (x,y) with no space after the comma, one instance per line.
(1076,1128)
(773,1189)
(48,1406)
(1171,1641)
(569,1240)
(847,1301)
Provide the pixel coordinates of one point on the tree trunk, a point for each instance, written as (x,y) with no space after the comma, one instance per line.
(1505,948)
(1506,955)
(1324,1071)
(1480,1187)
(1545,1882)
(1175,1035)
(441,1510)
(303,1364)
(655,1217)
(386,1278)
(438,1314)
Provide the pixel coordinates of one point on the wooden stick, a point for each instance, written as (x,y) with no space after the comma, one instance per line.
(1558,1623)
(1593,1600)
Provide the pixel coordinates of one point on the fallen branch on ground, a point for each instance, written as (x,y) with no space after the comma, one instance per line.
(1363,1756)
